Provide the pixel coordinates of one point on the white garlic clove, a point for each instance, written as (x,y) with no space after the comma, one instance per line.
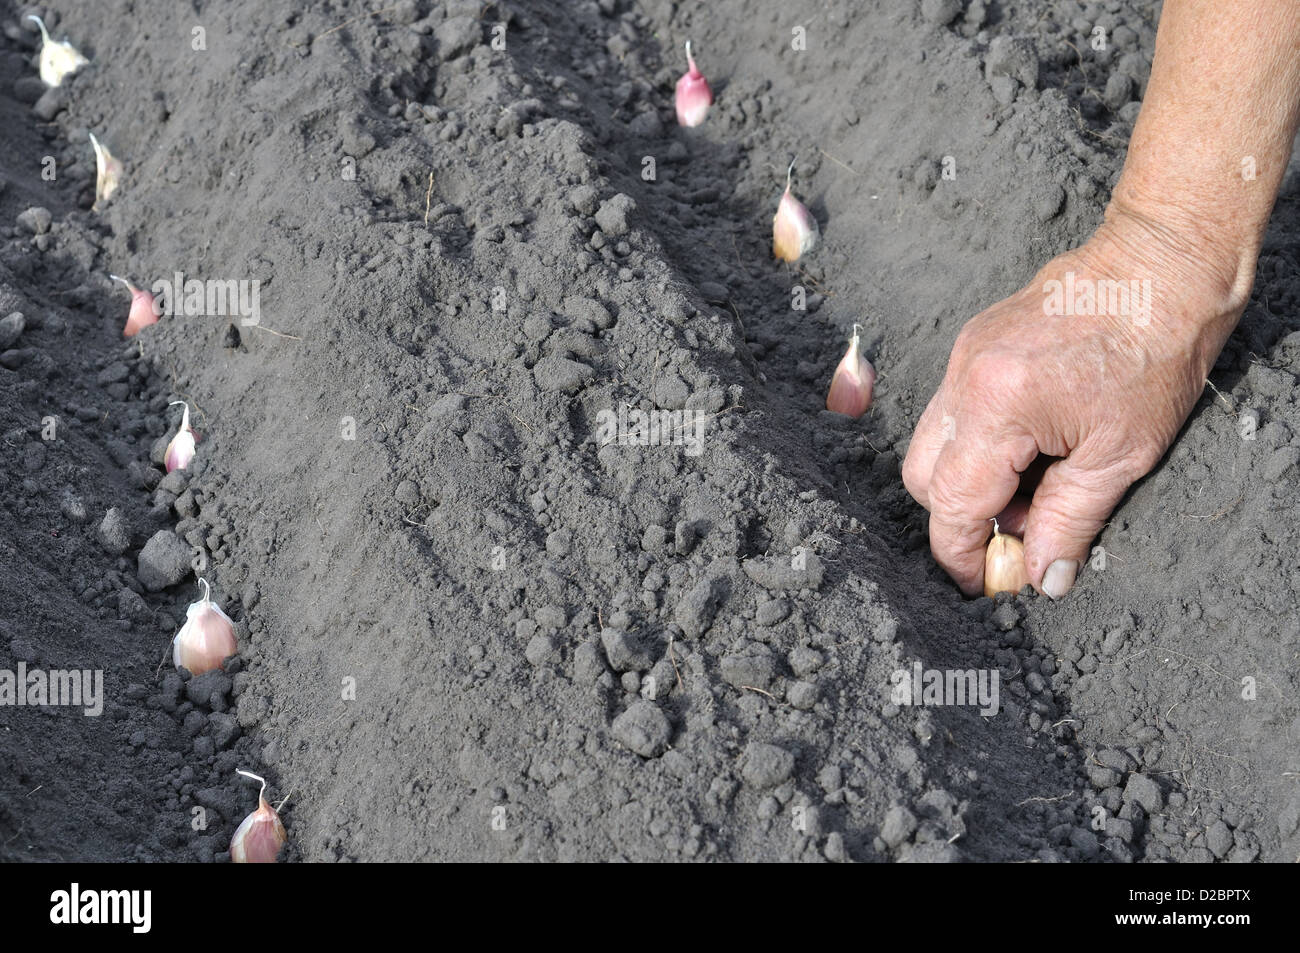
(206,639)
(108,172)
(59,58)
(260,836)
(795,232)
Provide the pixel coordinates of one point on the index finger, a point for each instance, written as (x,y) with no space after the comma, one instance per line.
(974,479)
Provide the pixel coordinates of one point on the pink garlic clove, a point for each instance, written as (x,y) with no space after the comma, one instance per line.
(143,311)
(181,449)
(794,230)
(694,97)
(853,383)
(206,639)
(260,836)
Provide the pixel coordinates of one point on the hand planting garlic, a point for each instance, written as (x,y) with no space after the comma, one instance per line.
(694,97)
(180,451)
(142,313)
(206,639)
(260,836)
(854,381)
(58,58)
(107,172)
(1004,564)
(794,230)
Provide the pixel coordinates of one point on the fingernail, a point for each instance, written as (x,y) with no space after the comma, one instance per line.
(1059,578)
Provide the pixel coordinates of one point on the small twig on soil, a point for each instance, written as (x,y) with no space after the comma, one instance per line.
(279,334)
(817,285)
(654,374)
(1220,754)
(760,691)
(519,419)
(837,161)
(35,789)
(1226,402)
(427,197)
(1216,516)
(1197,662)
(671,655)
(737,314)
(1044,800)
(161,663)
(736,248)
(282,802)
(407,518)
(352,21)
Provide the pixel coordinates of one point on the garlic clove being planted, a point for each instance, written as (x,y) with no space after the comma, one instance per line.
(694,96)
(794,230)
(59,58)
(181,449)
(854,381)
(1004,564)
(206,639)
(108,172)
(142,313)
(260,836)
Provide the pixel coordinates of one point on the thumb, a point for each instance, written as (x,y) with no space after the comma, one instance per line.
(1070,506)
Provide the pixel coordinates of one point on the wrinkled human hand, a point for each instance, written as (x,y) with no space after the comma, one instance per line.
(1100,384)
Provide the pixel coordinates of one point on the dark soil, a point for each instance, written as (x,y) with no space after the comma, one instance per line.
(470,629)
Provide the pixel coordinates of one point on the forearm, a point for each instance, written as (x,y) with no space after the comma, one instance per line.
(1214,135)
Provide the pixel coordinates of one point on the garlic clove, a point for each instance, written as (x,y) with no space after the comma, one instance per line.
(694,96)
(108,172)
(181,449)
(1004,564)
(59,59)
(794,230)
(206,639)
(854,381)
(259,836)
(143,312)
